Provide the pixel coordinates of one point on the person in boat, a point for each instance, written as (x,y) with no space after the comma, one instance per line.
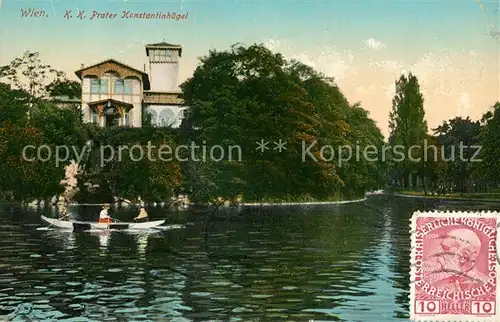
(63,213)
(104,217)
(143,216)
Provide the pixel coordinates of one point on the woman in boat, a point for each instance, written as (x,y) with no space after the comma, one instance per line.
(143,216)
(104,218)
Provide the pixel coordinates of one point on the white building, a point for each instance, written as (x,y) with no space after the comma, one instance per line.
(164,99)
(114,93)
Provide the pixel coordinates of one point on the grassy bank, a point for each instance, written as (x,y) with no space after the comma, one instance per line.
(493,195)
(289,200)
(304,199)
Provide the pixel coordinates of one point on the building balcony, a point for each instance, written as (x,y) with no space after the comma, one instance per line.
(159,98)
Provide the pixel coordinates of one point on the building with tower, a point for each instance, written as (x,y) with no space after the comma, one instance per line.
(116,94)
(164,99)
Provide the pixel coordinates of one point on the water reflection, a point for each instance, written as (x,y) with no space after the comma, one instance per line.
(320,264)
(347,262)
(103,235)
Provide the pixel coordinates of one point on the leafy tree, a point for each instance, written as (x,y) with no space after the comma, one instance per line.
(433,165)
(30,74)
(369,171)
(407,123)
(23,177)
(247,94)
(13,104)
(489,139)
(125,173)
(454,135)
(64,87)
(60,126)
(50,126)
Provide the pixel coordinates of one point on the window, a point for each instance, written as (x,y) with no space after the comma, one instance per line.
(162,55)
(128,86)
(94,85)
(94,116)
(104,86)
(119,86)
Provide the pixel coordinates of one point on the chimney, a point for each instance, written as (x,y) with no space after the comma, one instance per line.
(82,66)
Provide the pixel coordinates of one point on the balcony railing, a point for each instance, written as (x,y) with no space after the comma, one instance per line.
(162,98)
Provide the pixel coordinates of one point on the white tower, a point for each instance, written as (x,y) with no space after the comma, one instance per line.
(164,66)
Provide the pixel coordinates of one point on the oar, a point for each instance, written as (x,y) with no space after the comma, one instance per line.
(66,215)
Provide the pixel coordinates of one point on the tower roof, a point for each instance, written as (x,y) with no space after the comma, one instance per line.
(164,45)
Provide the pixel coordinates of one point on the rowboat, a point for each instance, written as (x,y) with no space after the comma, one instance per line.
(90,225)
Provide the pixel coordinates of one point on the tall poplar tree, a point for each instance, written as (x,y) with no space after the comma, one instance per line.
(407,123)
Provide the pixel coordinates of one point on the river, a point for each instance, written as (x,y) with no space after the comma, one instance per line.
(345,262)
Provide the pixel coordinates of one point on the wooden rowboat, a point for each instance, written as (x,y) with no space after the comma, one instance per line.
(90,225)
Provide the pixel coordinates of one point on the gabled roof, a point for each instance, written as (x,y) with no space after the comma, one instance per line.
(129,105)
(164,45)
(145,77)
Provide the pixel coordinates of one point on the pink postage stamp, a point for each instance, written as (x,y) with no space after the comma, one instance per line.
(454,266)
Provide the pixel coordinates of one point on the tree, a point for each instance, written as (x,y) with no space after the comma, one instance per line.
(369,172)
(22,176)
(13,104)
(407,123)
(247,94)
(433,165)
(489,139)
(64,87)
(60,126)
(125,173)
(454,135)
(30,74)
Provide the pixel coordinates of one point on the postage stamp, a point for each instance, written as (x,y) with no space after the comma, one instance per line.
(454,266)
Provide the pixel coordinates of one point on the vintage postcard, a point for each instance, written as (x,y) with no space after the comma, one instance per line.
(249,160)
(454,266)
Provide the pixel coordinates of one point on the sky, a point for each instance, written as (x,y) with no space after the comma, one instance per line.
(450,45)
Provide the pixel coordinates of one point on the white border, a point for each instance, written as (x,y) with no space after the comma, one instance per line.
(447,317)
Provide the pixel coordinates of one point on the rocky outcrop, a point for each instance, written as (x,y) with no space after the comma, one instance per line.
(70,183)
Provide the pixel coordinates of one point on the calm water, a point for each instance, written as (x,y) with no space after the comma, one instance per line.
(337,263)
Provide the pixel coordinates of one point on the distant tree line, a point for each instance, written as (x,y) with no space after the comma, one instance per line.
(462,155)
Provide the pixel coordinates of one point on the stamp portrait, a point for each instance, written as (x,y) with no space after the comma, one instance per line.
(453,273)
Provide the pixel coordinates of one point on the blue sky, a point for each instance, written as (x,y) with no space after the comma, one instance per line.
(364,44)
